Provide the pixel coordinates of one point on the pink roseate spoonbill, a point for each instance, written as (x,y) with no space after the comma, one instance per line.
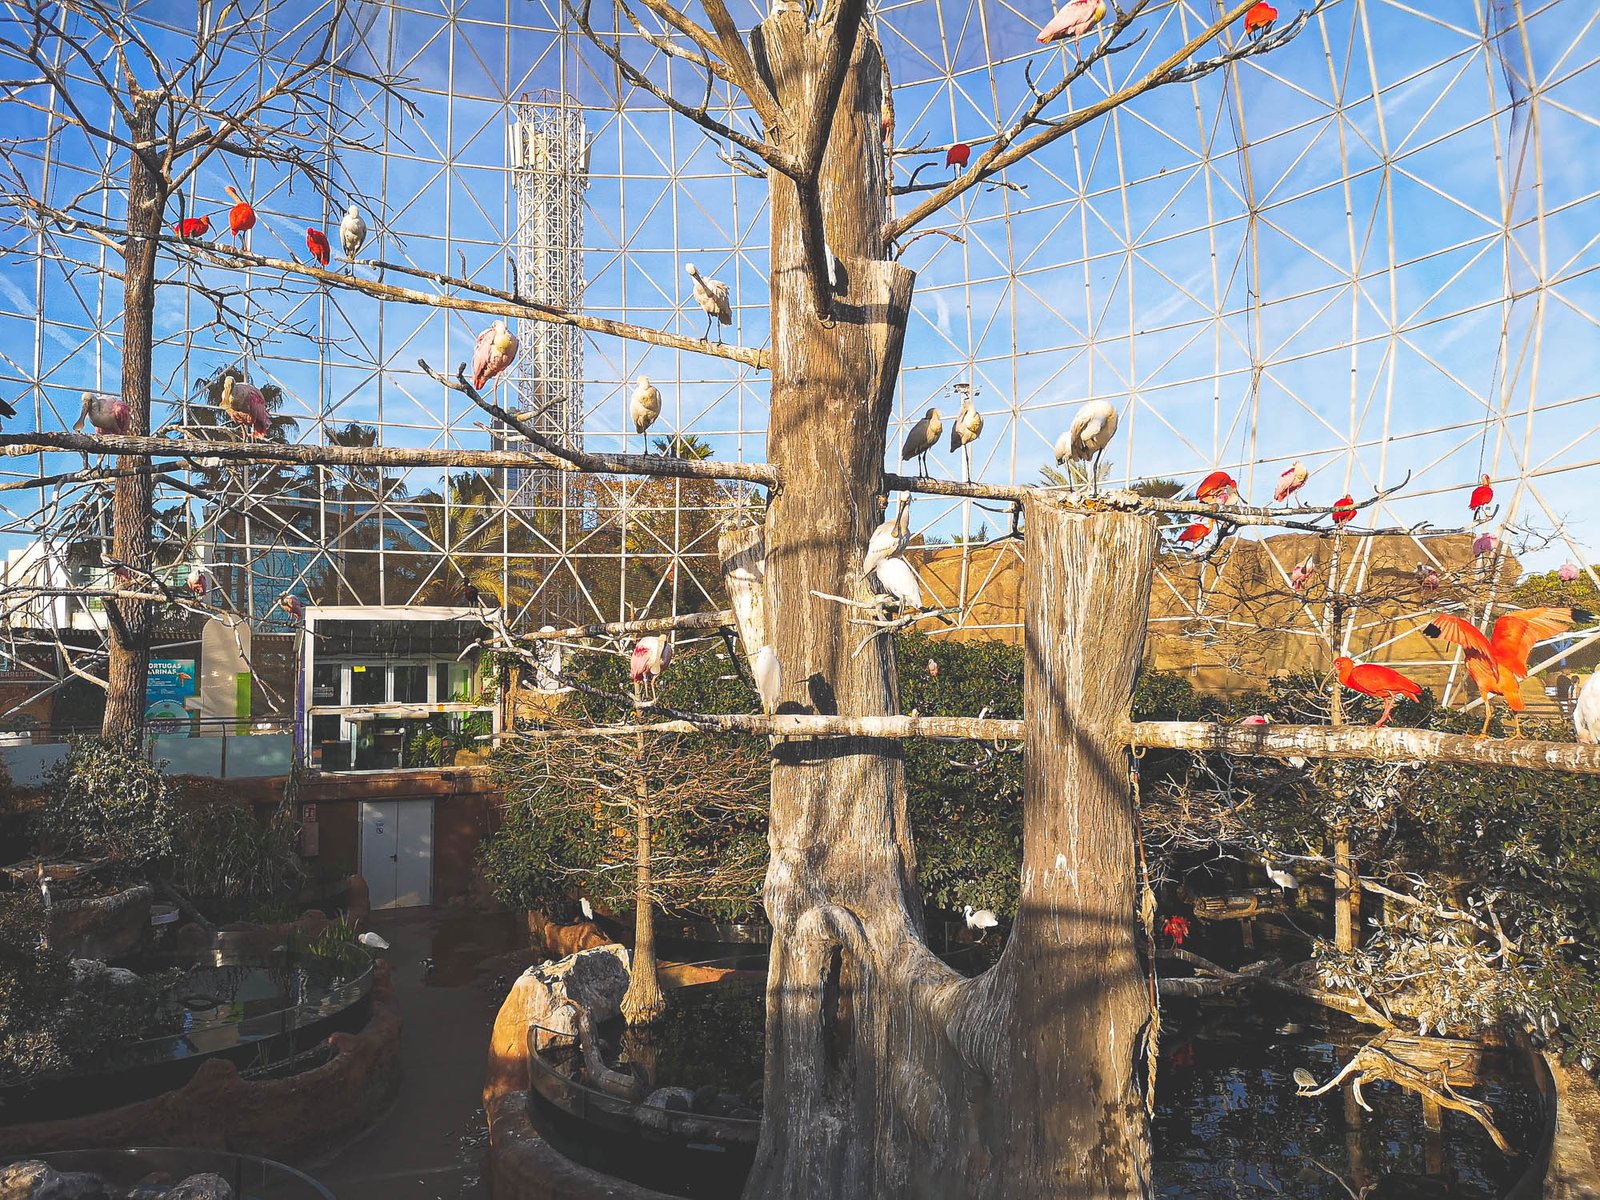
(1380,682)
(1483,544)
(649,659)
(958,156)
(196,580)
(1259,20)
(494,351)
(241,217)
(1303,573)
(1344,509)
(1480,500)
(1072,20)
(191,228)
(1568,572)
(924,436)
(888,539)
(1218,488)
(1427,576)
(1256,719)
(317,243)
(1586,716)
(1498,663)
(644,406)
(1291,481)
(245,404)
(291,605)
(768,677)
(108,414)
(964,430)
(713,297)
(933,668)
(1086,439)
(352,233)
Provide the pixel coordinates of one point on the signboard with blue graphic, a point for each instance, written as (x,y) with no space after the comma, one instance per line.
(171,684)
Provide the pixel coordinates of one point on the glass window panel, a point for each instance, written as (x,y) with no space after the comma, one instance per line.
(366,683)
(411,684)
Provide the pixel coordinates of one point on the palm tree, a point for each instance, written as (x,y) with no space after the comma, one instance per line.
(478,545)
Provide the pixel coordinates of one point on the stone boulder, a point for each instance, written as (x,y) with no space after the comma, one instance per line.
(20,1180)
(207,1186)
(535,1013)
(102,927)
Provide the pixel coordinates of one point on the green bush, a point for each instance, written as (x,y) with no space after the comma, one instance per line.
(105,800)
(224,853)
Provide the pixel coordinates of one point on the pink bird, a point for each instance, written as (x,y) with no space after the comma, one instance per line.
(1428,576)
(495,350)
(1484,543)
(933,669)
(1303,573)
(1567,572)
(1256,719)
(1291,481)
(292,606)
(649,658)
(1075,18)
(197,581)
(245,404)
(108,414)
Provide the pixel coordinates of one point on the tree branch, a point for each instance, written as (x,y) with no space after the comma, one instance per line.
(802,725)
(707,620)
(736,55)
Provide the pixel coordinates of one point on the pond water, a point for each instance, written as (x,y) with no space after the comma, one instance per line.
(1228,1124)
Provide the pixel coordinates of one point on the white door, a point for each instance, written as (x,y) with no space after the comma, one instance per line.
(397,852)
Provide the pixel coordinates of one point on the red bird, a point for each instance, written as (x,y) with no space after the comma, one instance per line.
(1480,500)
(1384,683)
(317,243)
(958,155)
(1259,20)
(1198,532)
(241,217)
(192,227)
(1176,928)
(1218,486)
(1499,663)
(1344,509)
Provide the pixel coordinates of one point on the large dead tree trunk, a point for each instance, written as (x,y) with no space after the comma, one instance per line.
(644,1001)
(133,501)
(888,1075)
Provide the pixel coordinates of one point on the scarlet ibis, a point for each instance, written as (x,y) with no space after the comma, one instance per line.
(1074,19)
(1291,481)
(769,678)
(1259,20)
(1499,663)
(192,227)
(1195,534)
(1480,500)
(644,406)
(980,919)
(245,404)
(649,658)
(964,430)
(888,539)
(108,414)
(1218,487)
(1176,928)
(1087,437)
(1483,544)
(494,351)
(924,436)
(241,217)
(1344,509)
(1303,573)
(317,243)
(899,579)
(712,296)
(292,606)
(352,233)
(1380,682)
(1567,572)
(1427,576)
(958,155)
(1586,716)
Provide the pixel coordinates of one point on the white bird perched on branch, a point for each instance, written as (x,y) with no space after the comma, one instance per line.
(896,577)
(372,941)
(1088,436)
(964,430)
(980,919)
(888,539)
(769,678)
(1586,716)
(1279,876)
(645,406)
(712,295)
(924,436)
(352,233)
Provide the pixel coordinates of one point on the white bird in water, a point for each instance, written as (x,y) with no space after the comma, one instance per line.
(711,295)
(964,430)
(644,407)
(352,233)
(897,577)
(888,539)
(494,351)
(769,678)
(980,919)
(650,657)
(924,436)
(372,941)
(1586,715)
(1087,437)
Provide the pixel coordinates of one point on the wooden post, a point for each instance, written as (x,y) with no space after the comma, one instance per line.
(1346,893)
(643,1002)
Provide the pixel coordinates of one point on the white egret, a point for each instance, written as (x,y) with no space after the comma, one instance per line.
(769,678)
(372,941)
